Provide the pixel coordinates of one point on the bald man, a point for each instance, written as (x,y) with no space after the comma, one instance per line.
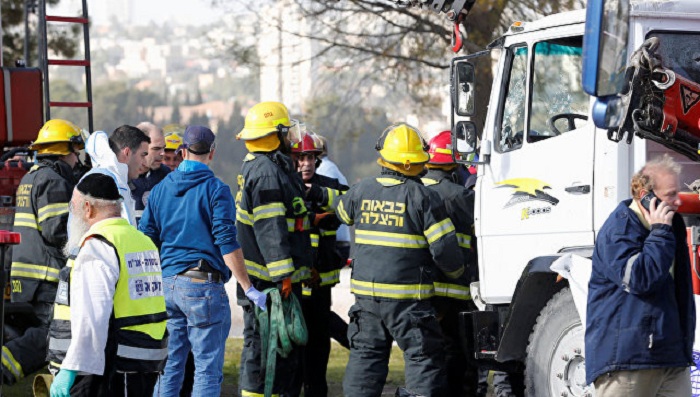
(155,171)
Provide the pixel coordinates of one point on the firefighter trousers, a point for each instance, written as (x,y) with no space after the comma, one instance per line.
(339,330)
(462,375)
(26,354)
(374,325)
(317,313)
(252,376)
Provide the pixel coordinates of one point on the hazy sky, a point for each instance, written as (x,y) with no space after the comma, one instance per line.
(193,12)
(188,11)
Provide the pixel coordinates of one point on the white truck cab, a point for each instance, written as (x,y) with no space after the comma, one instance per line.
(547,181)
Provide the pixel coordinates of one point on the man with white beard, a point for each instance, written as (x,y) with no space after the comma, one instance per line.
(117,307)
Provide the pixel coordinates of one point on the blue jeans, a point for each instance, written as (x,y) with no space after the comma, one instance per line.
(199,319)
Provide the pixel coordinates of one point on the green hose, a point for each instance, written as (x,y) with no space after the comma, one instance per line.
(280,326)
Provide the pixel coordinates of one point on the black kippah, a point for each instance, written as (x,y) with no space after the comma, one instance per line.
(99,186)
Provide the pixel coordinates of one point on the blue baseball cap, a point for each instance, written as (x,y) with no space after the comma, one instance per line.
(198,140)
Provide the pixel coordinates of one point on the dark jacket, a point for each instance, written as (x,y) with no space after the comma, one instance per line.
(190,216)
(639,316)
(41,218)
(459,204)
(401,232)
(327,259)
(272,220)
(143,185)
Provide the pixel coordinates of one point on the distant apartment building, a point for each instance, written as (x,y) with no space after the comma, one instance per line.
(287,69)
(120,10)
(143,58)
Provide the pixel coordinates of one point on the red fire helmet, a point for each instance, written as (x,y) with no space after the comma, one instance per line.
(310,143)
(441,149)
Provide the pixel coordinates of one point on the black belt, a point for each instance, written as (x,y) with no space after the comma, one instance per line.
(200,275)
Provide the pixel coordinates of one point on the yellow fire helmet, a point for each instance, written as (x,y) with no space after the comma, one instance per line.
(176,128)
(402,144)
(264,119)
(172,141)
(58,137)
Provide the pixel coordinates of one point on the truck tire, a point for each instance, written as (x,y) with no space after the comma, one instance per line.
(555,364)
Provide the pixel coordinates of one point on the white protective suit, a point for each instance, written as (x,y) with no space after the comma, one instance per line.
(105,161)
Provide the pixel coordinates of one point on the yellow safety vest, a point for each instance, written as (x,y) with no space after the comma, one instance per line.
(137,326)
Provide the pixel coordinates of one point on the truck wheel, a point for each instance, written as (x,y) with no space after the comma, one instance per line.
(555,365)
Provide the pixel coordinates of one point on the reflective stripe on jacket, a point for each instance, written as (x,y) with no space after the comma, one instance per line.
(271,218)
(327,261)
(401,230)
(459,204)
(41,218)
(59,329)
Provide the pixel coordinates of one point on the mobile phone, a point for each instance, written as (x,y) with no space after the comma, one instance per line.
(646,200)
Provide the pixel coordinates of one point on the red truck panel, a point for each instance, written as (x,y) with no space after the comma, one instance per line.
(21,105)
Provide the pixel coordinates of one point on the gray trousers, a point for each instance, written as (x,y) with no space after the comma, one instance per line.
(657,382)
(374,325)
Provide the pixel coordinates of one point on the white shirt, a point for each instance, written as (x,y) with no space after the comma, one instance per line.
(329,169)
(93,282)
(105,162)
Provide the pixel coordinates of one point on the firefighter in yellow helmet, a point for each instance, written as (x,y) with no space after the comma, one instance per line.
(403,236)
(173,140)
(41,217)
(273,230)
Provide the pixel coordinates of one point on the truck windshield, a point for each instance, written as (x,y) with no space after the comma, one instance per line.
(680,52)
(559,104)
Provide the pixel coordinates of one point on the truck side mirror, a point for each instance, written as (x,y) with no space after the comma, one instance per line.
(605,47)
(464,141)
(463,88)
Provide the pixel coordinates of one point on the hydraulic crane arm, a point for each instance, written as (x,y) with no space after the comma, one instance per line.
(455,10)
(659,104)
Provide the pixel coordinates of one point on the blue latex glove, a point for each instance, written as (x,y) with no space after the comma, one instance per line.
(60,387)
(257,297)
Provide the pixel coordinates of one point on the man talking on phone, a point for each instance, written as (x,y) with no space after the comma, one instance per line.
(640,314)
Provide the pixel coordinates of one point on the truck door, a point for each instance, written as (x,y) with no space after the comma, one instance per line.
(535,193)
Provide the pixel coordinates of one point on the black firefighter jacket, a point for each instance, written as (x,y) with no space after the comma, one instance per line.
(401,232)
(41,218)
(459,204)
(327,260)
(272,220)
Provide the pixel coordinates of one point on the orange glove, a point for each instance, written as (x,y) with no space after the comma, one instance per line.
(286,287)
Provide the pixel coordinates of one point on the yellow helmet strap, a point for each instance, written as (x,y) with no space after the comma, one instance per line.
(444,167)
(54,149)
(412,170)
(265,144)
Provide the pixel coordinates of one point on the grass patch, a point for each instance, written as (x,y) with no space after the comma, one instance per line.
(336,369)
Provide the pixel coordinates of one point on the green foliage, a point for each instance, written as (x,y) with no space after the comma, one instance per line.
(229,151)
(176,116)
(65,42)
(199,119)
(117,104)
(351,132)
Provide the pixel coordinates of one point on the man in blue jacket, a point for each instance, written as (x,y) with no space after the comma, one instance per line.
(190,217)
(640,314)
